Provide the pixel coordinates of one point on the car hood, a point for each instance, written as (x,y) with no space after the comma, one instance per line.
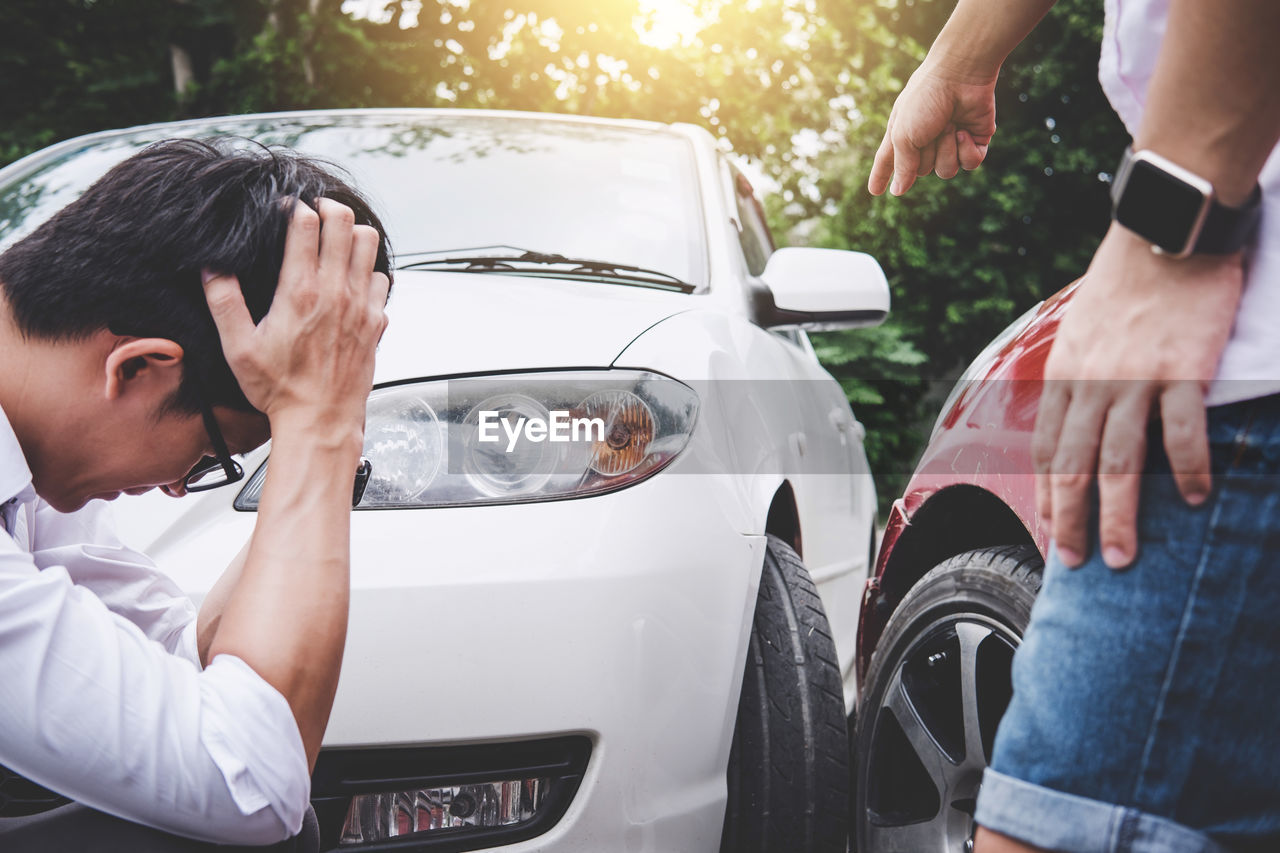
(447,323)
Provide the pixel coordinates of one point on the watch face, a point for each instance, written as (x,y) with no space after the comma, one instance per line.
(1159,207)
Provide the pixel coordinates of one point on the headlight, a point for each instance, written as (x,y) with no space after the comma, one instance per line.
(517,438)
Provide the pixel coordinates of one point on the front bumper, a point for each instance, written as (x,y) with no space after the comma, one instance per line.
(622,617)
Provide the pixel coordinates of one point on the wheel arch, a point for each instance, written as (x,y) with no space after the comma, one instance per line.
(952,521)
(783,519)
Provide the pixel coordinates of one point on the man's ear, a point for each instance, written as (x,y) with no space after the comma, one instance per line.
(154,363)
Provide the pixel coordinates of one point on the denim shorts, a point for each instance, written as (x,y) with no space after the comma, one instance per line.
(1146,708)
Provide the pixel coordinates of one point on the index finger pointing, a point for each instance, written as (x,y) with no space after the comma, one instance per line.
(882,168)
(906,164)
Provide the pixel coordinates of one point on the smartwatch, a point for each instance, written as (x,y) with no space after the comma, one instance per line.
(1176,210)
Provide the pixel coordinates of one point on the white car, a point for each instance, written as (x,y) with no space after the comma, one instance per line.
(601,443)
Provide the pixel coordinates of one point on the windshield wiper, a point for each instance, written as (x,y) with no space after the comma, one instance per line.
(538,261)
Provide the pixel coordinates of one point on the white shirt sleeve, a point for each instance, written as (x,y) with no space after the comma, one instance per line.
(124,580)
(95,709)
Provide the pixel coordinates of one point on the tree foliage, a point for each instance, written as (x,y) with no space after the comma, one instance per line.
(802,87)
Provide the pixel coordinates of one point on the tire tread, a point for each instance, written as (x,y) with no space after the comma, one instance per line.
(796,799)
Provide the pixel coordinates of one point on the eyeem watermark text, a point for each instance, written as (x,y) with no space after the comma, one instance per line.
(559,426)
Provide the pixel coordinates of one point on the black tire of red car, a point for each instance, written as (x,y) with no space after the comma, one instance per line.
(788,768)
(937,685)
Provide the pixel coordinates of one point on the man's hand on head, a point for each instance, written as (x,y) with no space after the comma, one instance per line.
(1142,335)
(312,355)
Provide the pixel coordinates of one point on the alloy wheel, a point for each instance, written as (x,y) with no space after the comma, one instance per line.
(933,731)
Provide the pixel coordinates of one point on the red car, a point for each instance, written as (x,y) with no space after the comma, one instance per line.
(957,572)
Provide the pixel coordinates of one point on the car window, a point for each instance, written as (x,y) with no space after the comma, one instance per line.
(753,230)
(618,194)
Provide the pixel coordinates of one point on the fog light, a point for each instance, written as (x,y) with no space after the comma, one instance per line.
(487,805)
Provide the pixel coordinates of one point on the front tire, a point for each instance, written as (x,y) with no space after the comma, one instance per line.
(937,686)
(788,769)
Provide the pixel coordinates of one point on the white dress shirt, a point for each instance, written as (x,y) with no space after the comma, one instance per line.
(1250,365)
(102,698)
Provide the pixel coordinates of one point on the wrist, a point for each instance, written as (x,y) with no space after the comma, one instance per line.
(965,65)
(329,432)
(1172,270)
(310,472)
(979,36)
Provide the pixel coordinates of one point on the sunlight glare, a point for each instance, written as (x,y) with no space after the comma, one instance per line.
(665,23)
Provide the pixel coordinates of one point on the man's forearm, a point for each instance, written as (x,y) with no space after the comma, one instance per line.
(1213,105)
(287,614)
(980,34)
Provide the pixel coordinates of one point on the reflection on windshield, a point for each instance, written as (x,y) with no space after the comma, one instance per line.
(620,194)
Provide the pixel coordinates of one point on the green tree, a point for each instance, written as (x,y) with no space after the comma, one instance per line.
(70,66)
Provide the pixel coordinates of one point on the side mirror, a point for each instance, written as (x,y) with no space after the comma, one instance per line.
(821,290)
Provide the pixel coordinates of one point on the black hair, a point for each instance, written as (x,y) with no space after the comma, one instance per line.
(127,255)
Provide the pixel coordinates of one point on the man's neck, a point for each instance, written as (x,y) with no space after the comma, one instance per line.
(40,386)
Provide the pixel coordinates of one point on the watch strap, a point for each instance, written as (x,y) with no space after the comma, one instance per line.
(1228,229)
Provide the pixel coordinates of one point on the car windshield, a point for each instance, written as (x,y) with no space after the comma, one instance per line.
(449,182)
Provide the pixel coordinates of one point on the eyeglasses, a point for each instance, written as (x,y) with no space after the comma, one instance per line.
(213,471)
(221,470)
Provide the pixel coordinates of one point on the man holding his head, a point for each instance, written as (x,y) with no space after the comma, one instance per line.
(194,302)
